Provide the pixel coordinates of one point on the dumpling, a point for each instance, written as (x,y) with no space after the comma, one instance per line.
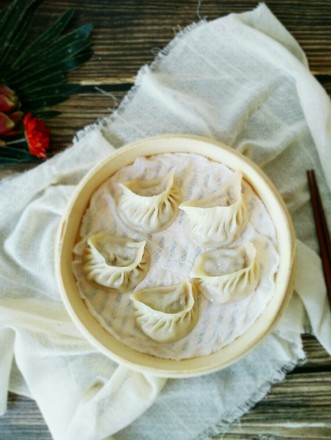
(220,218)
(228,274)
(115,262)
(166,313)
(149,206)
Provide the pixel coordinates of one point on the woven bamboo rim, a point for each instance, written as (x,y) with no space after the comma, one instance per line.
(69,232)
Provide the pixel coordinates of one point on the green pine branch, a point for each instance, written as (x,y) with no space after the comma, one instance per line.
(37,71)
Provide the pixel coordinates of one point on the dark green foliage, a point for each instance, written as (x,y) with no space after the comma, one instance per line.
(37,71)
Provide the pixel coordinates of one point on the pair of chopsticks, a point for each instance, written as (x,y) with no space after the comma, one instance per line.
(322,229)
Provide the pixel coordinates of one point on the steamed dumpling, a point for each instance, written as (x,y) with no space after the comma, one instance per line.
(149,205)
(227,275)
(166,313)
(115,262)
(220,218)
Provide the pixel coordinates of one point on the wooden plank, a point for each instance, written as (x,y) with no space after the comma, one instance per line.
(138,39)
(129,33)
(23,420)
(317,358)
(78,112)
(298,407)
(287,431)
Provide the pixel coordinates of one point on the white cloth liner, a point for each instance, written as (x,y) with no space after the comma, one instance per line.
(172,255)
(242,79)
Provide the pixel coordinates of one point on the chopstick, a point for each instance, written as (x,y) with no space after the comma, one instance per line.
(322,229)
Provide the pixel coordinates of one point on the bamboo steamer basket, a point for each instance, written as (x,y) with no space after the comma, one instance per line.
(69,234)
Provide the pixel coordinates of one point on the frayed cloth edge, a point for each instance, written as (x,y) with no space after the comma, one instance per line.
(223,426)
(104,122)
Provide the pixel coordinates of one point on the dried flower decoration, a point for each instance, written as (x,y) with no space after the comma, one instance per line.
(32,78)
(37,135)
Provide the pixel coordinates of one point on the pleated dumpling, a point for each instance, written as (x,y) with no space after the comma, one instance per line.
(219,218)
(166,313)
(149,205)
(115,262)
(228,274)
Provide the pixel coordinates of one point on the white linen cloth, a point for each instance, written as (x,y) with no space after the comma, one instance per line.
(241,79)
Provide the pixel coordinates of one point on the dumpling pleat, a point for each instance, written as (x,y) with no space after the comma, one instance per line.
(145,211)
(233,284)
(166,313)
(115,262)
(220,218)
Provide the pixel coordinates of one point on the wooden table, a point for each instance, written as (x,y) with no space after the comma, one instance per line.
(127,35)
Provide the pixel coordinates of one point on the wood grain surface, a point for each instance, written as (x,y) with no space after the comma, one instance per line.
(128,34)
